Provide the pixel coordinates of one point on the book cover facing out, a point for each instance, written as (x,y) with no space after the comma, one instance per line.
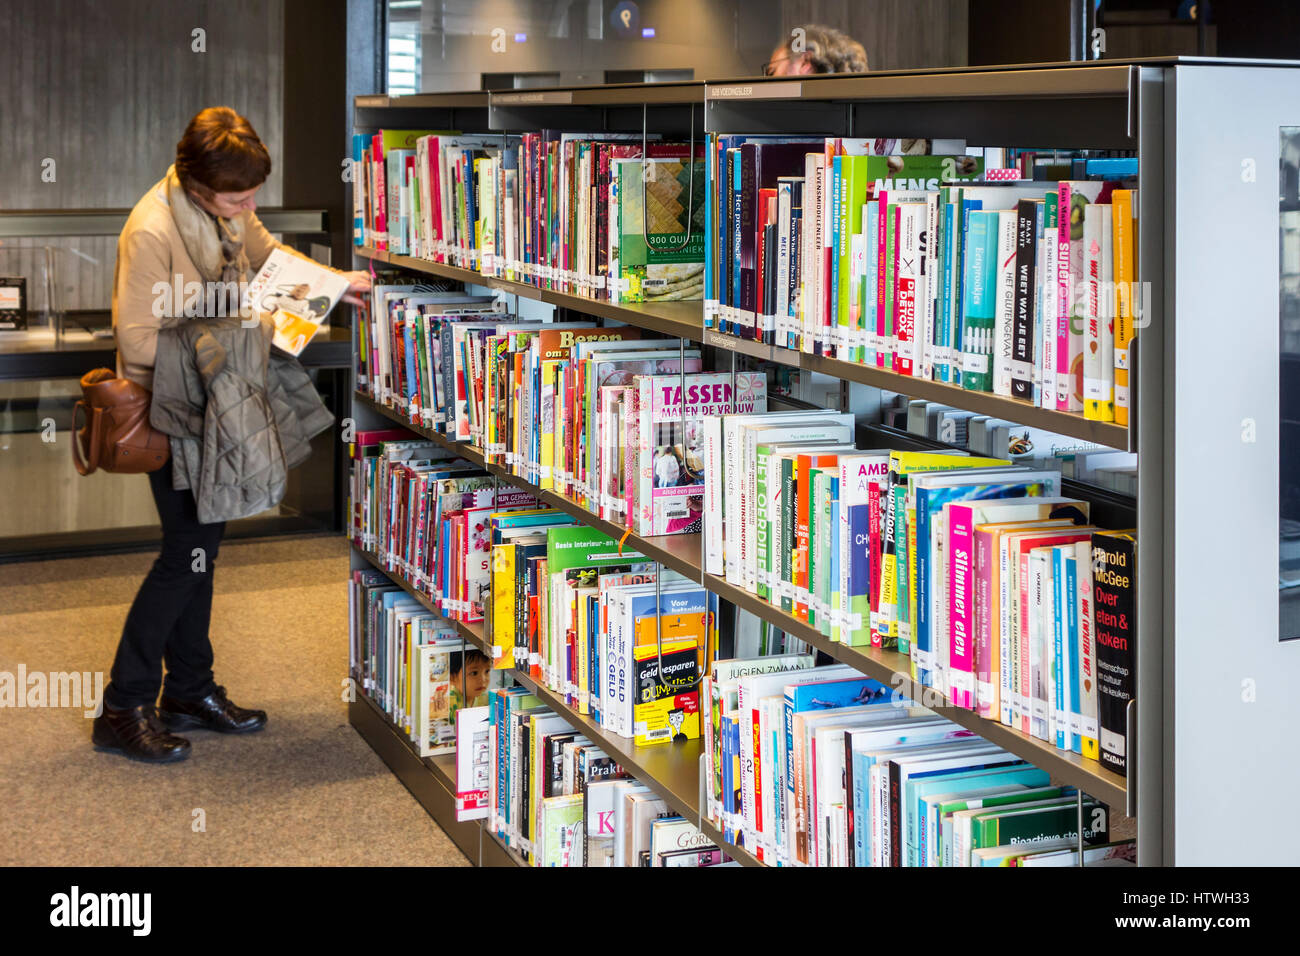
(661,251)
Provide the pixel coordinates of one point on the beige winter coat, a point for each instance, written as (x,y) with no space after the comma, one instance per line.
(151,256)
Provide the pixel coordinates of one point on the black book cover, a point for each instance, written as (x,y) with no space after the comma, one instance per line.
(1114,587)
(1022,341)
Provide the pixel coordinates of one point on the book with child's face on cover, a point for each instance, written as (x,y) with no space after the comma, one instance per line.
(297,294)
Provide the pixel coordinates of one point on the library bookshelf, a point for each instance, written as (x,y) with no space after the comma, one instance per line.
(1188,120)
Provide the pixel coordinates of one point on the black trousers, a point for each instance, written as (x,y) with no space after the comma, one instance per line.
(168,621)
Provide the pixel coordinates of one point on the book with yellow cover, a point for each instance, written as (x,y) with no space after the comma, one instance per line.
(1124,211)
(666,708)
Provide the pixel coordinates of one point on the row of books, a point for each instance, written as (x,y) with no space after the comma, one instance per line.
(583,213)
(558,800)
(600,414)
(913,263)
(978,569)
(412,663)
(908,262)
(824,767)
(562,601)
(424,513)
(588,620)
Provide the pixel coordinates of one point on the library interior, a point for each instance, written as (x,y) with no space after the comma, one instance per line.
(671,433)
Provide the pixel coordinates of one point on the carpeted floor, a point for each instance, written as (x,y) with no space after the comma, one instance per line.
(307,790)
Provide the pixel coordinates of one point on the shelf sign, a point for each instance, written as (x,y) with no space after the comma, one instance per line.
(785,90)
(538,98)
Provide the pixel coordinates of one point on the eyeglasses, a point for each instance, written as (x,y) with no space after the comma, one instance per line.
(769,68)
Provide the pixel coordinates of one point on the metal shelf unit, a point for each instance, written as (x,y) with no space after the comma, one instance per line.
(1203,750)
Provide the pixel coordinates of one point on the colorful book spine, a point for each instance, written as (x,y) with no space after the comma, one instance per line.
(1087,654)
(980,287)
(1064,300)
(1099,342)
(1124,211)
(962,601)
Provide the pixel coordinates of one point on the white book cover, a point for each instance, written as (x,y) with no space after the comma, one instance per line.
(472,763)
(1040,620)
(749,691)
(431,689)
(810,269)
(722,493)
(909,287)
(297,294)
(1004,317)
(825,427)
(859,472)
(1048,294)
(931,281)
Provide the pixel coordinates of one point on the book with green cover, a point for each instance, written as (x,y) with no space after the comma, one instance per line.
(575,556)
(816,546)
(1048,821)
(561,831)
(661,252)
(992,797)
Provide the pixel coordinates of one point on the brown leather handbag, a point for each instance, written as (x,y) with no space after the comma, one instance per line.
(116,436)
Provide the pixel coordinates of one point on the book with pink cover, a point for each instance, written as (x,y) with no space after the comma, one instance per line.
(669,489)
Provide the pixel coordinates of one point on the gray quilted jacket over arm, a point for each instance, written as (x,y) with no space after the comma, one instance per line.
(239,417)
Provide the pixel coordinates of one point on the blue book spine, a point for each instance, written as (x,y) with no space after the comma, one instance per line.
(921,626)
(959,281)
(1072,650)
(943,368)
(861,809)
(859,572)
(358,184)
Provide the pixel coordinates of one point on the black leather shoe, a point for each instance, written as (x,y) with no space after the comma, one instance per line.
(214,712)
(137,733)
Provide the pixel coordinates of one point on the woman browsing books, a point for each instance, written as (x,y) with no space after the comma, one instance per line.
(195,231)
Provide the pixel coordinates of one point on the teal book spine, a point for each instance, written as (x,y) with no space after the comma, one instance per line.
(980,301)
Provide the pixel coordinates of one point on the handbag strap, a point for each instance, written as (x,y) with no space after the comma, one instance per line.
(92,439)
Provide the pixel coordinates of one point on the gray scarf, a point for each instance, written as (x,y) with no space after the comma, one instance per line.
(218,253)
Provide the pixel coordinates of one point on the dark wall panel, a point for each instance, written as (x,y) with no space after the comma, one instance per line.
(105,89)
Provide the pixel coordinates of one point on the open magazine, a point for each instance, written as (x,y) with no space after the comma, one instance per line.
(297,293)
